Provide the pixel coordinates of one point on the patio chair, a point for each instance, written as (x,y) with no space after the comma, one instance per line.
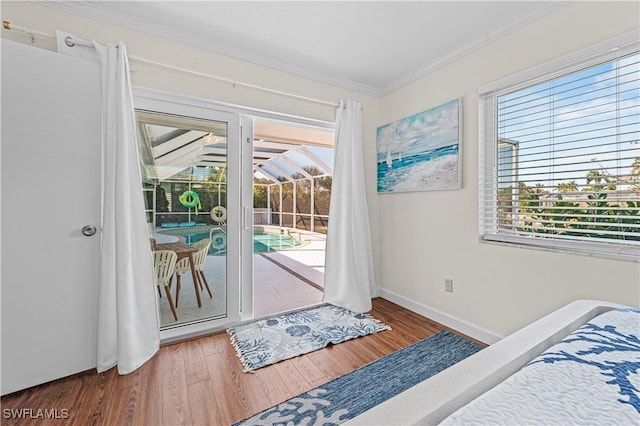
(164,263)
(199,258)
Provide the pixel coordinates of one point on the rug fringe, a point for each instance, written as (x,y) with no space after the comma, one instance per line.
(367,315)
(377,321)
(248,368)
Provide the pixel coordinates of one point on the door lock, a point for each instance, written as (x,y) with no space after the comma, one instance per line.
(89,230)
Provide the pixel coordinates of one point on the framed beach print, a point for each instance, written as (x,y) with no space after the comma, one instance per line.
(421,152)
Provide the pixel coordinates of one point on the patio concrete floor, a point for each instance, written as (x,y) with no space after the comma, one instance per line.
(283,280)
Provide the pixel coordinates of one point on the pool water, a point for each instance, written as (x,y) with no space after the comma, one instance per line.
(262,242)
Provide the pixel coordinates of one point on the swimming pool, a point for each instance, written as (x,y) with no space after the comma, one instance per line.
(262,241)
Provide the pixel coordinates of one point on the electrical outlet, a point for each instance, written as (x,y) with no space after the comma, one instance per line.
(448,285)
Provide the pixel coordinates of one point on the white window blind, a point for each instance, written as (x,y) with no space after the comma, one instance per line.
(560,166)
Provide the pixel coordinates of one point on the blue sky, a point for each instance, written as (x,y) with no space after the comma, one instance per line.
(579,114)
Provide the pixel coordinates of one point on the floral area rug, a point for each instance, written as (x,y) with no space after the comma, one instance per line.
(274,339)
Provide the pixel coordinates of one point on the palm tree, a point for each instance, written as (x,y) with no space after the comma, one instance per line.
(635,168)
(568,186)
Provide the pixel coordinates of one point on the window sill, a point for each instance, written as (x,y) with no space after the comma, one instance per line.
(598,250)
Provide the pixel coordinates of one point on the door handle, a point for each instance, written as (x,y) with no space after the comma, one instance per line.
(89,230)
(245,217)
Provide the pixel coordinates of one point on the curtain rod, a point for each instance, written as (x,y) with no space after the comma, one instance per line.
(73,41)
(234,83)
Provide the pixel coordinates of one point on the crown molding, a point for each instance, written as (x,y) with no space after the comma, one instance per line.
(499,32)
(94,10)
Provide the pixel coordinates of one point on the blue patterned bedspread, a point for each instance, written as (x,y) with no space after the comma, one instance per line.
(592,377)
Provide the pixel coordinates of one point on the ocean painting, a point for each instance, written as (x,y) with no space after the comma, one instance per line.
(421,152)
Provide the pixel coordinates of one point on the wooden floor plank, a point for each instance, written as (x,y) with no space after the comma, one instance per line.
(291,377)
(352,350)
(228,401)
(273,385)
(196,368)
(128,380)
(215,343)
(251,395)
(308,369)
(331,366)
(201,404)
(97,393)
(122,410)
(150,410)
(175,400)
(202,382)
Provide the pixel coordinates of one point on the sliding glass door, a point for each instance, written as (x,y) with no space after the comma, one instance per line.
(202,166)
(191,166)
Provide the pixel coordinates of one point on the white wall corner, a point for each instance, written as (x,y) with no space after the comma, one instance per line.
(447,320)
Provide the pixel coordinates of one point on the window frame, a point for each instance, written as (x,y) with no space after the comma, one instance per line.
(489,145)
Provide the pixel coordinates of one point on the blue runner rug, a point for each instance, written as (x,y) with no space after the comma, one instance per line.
(352,394)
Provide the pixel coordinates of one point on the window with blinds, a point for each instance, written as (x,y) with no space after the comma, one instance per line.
(562,159)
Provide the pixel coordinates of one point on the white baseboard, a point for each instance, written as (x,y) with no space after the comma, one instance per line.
(450,321)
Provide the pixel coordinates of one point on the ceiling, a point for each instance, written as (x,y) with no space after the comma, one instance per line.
(372,47)
(172,147)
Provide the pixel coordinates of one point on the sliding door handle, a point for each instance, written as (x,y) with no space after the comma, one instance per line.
(245,217)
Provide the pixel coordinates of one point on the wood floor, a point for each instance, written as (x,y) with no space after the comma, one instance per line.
(201,382)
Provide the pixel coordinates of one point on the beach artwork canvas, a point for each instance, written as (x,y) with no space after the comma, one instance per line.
(421,152)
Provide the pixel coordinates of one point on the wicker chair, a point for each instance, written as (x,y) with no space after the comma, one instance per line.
(199,258)
(164,263)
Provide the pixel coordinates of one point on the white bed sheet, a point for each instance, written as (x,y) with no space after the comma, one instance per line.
(592,377)
(431,401)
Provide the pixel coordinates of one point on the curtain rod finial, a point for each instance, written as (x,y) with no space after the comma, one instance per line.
(6,25)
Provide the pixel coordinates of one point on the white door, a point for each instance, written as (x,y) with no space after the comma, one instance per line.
(50,191)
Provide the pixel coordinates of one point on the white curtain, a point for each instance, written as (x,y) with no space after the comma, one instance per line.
(349,281)
(127,316)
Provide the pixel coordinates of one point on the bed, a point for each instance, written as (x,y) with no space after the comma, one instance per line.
(577,365)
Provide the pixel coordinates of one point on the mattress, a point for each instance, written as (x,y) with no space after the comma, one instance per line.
(590,377)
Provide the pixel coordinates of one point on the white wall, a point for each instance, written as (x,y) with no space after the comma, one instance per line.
(495,288)
(428,236)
